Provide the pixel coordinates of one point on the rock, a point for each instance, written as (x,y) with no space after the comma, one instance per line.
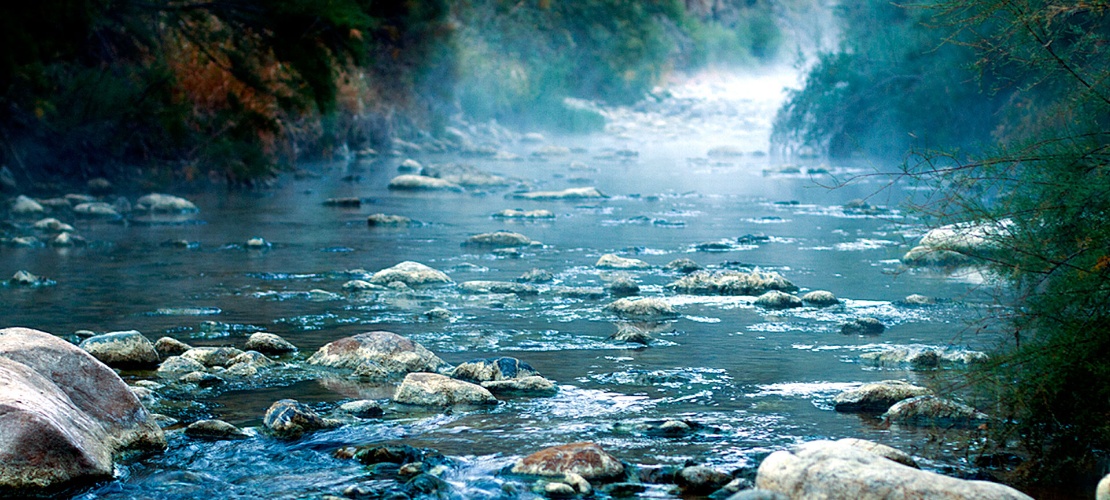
(157,202)
(700,480)
(536,276)
(96,209)
(26,206)
(558,489)
(585,459)
(378,355)
(252,358)
(533,386)
(485,370)
(686,266)
(820,298)
(824,469)
(212,356)
(343,202)
(775,299)
(585,293)
(431,389)
(758,494)
(958,244)
(66,416)
(289,419)
(438,314)
(612,261)
(627,332)
(622,287)
(24,278)
(361,286)
(918,300)
(377,220)
(499,239)
(53,225)
(481,286)
(1102,492)
(524,214)
(582,193)
(128,349)
(166,347)
(268,343)
(580,484)
(175,366)
(645,308)
(862,326)
(411,274)
(214,429)
(398,454)
(257,243)
(201,379)
(363,408)
(68,240)
(409,166)
(732,283)
(99,185)
(930,410)
(877,396)
(465,175)
(409,182)
(922,357)
(881,450)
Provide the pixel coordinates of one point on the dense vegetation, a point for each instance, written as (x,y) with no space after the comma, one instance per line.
(234,89)
(1017,96)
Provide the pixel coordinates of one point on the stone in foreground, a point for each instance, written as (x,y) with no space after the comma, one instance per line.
(828,470)
(378,355)
(433,389)
(585,459)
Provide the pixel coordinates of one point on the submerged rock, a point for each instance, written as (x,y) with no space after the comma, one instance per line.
(432,389)
(409,182)
(157,202)
(376,220)
(584,459)
(876,397)
(820,298)
(214,429)
(582,193)
(517,213)
(931,410)
(268,343)
(290,419)
(862,326)
(644,308)
(775,299)
(410,273)
(350,202)
(378,355)
(66,416)
(612,261)
(732,283)
(128,349)
(499,239)
(825,469)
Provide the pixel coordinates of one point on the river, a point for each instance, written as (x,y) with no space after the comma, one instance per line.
(755,380)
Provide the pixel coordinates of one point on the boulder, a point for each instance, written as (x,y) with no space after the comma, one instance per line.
(612,261)
(700,480)
(499,239)
(958,244)
(585,459)
(363,408)
(378,355)
(214,429)
(485,370)
(862,326)
(881,450)
(96,209)
(825,469)
(876,397)
(212,356)
(582,193)
(683,265)
(642,308)
(922,357)
(26,206)
(410,182)
(516,213)
(157,202)
(532,386)
(755,282)
(820,298)
(622,287)
(410,166)
(375,220)
(483,286)
(775,299)
(68,240)
(175,366)
(66,416)
(930,410)
(411,274)
(268,343)
(289,419)
(628,332)
(128,349)
(536,276)
(432,389)
(1102,492)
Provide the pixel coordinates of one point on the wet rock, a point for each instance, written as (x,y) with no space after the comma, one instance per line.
(398,454)
(481,286)
(775,299)
(289,419)
(268,343)
(214,429)
(582,193)
(536,276)
(758,494)
(175,366)
(533,386)
(918,300)
(824,469)
(881,450)
(556,489)
(361,286)
(466,175)
(258,243)
(363,408)
(251,358)
(24,206)
(586,293)
(612,261)
(128,349)
(96,210)
(68,240)
(377,220)
(24,278)
(627,332)
(411,274)
(862,326)
(409,182)
(53,225)
(157,202)
(410,166)
(166,347)
(438,314)
(930,410)
(201,379)
(820,298)
(66,416)
(644,308)
(431,389)
(212,356)
(623,287)
(585,459)
(686,266)
(922,357)
(484,370)
(524,214)
(378,355)
(732,283)
(700,480)
(877,396)
(499,239)
(343,202)
(145,396)
(25,242)
(957,244)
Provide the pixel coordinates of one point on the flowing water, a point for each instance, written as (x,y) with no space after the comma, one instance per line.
(756,380)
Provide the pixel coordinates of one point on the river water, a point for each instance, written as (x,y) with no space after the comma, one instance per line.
(756,380)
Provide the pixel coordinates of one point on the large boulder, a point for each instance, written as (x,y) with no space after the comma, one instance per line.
(585,459)
(958,244)
(378,355)
(433,389)
(755,282)
(642,308)
(410,273)
(409,182)
(157,202)
(582,193)
(876,397)
(128,349)
(65,415)
(826,470)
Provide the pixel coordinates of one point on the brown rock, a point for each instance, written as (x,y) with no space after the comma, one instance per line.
(585,459)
